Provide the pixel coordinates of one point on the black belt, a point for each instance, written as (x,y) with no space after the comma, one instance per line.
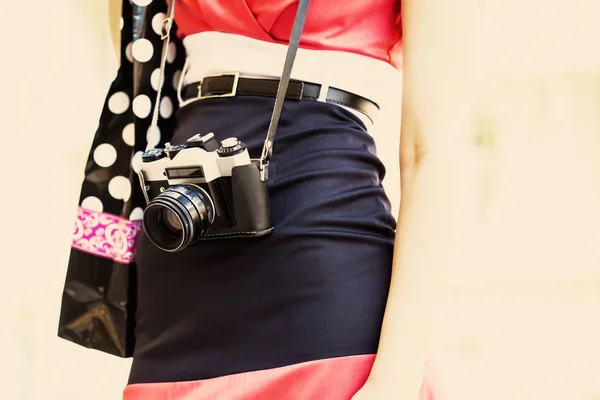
(229,85)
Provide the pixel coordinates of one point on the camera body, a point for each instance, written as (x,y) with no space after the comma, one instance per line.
(202,190)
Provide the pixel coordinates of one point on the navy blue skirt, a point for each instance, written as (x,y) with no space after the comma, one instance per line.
(314,289)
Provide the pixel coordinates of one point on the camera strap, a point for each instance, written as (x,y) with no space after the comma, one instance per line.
(267,151)
(294,43)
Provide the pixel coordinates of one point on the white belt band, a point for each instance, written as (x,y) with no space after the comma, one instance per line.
(212,53)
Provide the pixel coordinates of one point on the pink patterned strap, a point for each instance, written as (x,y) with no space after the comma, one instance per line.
(105,235)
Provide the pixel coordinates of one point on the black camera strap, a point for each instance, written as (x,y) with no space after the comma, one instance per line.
(294,43)
(267,151)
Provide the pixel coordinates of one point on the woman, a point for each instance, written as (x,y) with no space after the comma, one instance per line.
(296,314)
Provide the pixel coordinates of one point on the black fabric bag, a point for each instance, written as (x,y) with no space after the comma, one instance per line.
(99,297)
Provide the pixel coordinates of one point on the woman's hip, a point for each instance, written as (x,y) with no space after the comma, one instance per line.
(314,288)
(324,174)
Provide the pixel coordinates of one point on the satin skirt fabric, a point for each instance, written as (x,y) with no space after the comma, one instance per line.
(293,315)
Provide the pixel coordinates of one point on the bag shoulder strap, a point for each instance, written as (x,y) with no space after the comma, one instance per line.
(294,43)
(167,24)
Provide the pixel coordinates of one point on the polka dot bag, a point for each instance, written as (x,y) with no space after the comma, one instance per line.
(98,302)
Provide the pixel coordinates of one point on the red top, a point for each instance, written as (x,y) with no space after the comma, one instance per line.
(368,27)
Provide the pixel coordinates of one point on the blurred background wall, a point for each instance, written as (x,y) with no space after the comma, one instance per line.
(519,317)
(56,68)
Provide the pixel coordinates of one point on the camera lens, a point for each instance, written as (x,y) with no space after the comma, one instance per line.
(169,222)
(178,217)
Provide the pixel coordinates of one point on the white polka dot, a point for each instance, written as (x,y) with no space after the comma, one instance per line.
(155,79)
(142,106)
(136,214)
(92,203)
(118,103)
(136,161)
(142,3)
(121,23)
(128,52)
(157,22)
(119,187)
(176,77)
(129,134)
(166,107)
(171,53)
(105,155)
(153,137)
(142,50)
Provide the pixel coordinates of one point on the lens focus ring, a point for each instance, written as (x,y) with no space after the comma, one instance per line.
(178,217)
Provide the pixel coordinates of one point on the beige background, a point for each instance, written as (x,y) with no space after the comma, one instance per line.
(519,317)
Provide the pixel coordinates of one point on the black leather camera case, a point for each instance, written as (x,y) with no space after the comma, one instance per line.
(250,205)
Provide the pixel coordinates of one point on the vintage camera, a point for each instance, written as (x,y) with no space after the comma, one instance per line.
(200,190)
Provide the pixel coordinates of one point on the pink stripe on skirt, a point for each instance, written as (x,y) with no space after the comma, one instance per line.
(330,379)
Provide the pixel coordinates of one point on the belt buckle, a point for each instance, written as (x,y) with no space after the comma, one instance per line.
(234,86)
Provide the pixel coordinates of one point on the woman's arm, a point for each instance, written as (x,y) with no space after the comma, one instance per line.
(114,20)
(436,120)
